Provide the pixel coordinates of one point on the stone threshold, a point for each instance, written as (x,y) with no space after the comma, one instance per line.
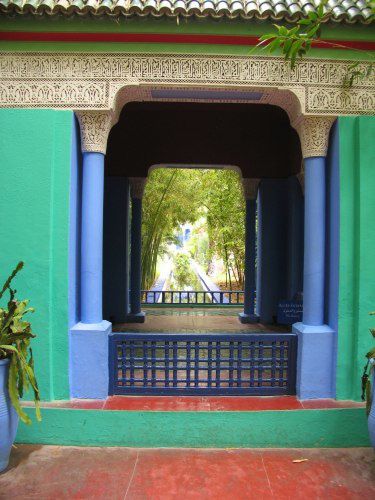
(199,403)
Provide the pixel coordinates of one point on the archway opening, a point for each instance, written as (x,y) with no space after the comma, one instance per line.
(260,142)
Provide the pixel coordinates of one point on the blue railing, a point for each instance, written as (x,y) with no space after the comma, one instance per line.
(223,297)
(238,364)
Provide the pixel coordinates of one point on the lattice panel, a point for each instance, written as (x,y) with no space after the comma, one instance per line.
(263,364)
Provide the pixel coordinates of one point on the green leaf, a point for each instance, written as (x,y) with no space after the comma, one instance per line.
(354,65)
(294,51)
(294,31)
(304,22)
(15,336)
(267,36)
(282,30)
(313,31)
(274,45)
(11,277)
(13,391)
(320,10)
(287,46)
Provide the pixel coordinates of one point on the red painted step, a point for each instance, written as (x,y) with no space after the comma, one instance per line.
(199,403)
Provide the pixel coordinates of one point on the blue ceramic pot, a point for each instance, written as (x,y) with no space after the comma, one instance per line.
(371,417)
(8,417)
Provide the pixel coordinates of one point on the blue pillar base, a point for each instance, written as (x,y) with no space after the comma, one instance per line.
(315,362)
(248,318)
(136,318)
(89,360)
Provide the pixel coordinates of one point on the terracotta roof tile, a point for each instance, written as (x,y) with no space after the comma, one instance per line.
(350,11)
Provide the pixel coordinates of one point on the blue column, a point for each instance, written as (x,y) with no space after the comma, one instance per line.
(315,363)
(314,258)
(89,337)
(295,238)
(248,315)
(92,238)
(115,249)
(136,315)
(259,253)
(272,239)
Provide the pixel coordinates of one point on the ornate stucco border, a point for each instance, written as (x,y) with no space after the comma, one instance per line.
(99,81)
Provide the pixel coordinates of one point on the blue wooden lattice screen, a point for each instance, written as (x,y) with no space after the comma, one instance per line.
(188,364)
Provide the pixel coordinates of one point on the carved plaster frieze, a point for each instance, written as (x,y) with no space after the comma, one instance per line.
(137,186)
(94,81)
(95,127)
(314,134)
(250,188)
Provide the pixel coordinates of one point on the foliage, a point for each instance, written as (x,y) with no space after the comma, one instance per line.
(198,243)
(225,212)
(171,199)
(183,273)
(15,336)
(297,41)
(174,197)
(366,381)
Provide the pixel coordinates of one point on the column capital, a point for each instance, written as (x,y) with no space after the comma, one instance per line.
(137,186)
(313,132)
(95,127)
(250,188)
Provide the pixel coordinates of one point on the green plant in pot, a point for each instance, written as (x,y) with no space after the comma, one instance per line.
(368,389)
(16,366)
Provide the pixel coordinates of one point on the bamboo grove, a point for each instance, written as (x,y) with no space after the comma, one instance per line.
(176,196)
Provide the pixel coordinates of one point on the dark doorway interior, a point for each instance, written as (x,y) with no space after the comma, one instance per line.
(257,138)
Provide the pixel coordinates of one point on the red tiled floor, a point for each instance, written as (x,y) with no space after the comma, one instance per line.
(327,473)
(199,474)
(55,472)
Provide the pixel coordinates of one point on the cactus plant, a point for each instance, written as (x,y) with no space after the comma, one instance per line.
(15,337)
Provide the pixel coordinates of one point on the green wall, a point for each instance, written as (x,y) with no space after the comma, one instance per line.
(111,24)
(34,176)
(34,206)
(357,251)
(106,24)
(221,429)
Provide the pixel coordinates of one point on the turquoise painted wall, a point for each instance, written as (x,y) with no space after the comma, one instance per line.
(199,429)
(34,205)
(357,251)
(105,24)
(35,179)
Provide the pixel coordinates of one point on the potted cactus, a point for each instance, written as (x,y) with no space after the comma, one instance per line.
(368,389)
(16,367)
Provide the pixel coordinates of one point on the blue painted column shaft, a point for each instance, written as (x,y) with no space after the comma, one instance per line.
(295,238)
(135,256)
(316,340)
(127,250)
(115,249)
(314,257)
(259,253)
(250,188)
(92,238)
(250,250)
(271,251)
